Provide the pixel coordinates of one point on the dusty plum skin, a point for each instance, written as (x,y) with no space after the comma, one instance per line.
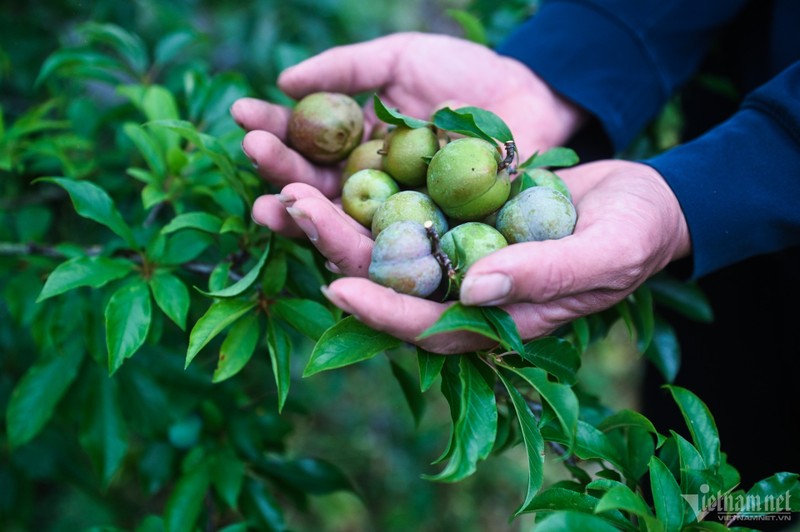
(402,259)
(325,127)
(536,214)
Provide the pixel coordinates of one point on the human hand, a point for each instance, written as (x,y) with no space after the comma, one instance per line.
(629,227)
(416,73)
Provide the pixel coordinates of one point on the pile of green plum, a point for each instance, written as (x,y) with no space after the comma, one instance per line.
(434,205)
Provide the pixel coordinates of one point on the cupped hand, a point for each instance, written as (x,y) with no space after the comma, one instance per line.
(416,73)
(629,227)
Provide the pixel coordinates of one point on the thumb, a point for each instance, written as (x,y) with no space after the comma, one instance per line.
(349,69)
(538,272)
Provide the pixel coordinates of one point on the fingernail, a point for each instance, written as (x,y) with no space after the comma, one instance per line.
(304,221)
(255,164)
(331,267)
(335,299)
(286,199)
(489,289)
(233,115)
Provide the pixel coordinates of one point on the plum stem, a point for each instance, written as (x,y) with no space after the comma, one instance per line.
(436,249)
(511,153)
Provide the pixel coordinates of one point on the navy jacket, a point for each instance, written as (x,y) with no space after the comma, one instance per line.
(621,60)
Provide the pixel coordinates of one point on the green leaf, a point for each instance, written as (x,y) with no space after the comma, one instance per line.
(570,520)
(470,24)
(555,499)
(621,497)
(683,297)
(411,392)
(488,122)
(580,328)
(778,493)
(233,224)
(84,64)
(194,220)
(395,117)
(172,45)
(128,316)
(643,317)
(430,365)
(171,295)
(218,279)
(503,324)
(186,500)
(558,157)
(560,397)
(347,342)
(701,424)
(305,315)
(666,496)
(149,148)
(310,475)
(84,271)
(534,444)
(630,418)
(462,318)
(665,350)
(475,426)
(280,352)
(218,316)
(240,286)
(262,507)
(556,356)
(38,392)
(182,247)
(237,348)
(128,45)
(461,123)
(92,202)
(103,434)
(227,476)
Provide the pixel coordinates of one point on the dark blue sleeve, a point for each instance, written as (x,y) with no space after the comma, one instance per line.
(619,59)
(739,184)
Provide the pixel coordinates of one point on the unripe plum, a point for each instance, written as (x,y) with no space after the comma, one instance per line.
(463,179)
(402,259)
(407,150)
(408,205)
(542,178)
(325,127)
(537,213)
(364,192)
(467,243)
(364,156)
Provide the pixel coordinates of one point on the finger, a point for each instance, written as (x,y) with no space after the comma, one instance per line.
(404,317)
(544,271)
(270,212)
(333,234)
(281,165)
(252,114)
(296,191)
(349,69)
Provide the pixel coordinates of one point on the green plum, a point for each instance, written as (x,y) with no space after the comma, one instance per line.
(407,151)
(365,156)
(325,127)
(467,243)
(465,179)
(537,213)
(363,193)
(408,205)
(539,177)
(402,259)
